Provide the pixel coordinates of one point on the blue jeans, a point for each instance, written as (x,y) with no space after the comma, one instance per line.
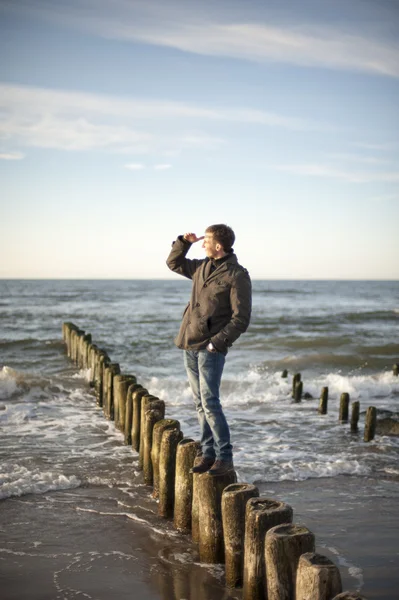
(204,370)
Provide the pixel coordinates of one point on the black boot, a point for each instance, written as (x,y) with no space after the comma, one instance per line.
(221,467)
(203,465)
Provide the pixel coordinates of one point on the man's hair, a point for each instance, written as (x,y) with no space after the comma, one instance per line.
(223,234)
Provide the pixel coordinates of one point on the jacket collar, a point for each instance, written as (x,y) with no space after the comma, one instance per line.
(222,268)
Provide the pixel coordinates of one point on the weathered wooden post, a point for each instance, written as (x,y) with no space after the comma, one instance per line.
(323,401)
(261,515)
(85,346)
(371,422)
(103,361)
(349,596)
(234,502)
(195,510)
(154,412)
(210,489)
(284,374)
(167,468)
(298,391)
(344,408)
(395,369)
(355,416)
(100,357)
(145,401)
(91,359)
(283,547)
(187,450)
(113,370)
(318,578)
(129,411)
(137,397)
(295,379)
(121,385)
(157,434)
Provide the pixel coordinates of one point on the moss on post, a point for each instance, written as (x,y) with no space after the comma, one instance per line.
(323,401)
(344,408)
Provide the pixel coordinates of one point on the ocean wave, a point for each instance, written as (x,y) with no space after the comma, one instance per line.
(17,480)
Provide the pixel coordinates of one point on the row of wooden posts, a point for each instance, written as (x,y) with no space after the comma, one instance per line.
(263,551)
(371,413)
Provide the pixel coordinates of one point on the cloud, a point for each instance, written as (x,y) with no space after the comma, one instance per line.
(11,156)
(273,37)
(70,120)
(162,167)
(135,167)
(369,160)
(316,170)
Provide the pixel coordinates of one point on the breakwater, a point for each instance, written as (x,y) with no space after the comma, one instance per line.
(263,549)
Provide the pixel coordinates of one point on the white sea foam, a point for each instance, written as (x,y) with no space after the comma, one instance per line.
(8,383)
(17,480)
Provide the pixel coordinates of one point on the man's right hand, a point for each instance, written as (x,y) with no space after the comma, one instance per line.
(192,238)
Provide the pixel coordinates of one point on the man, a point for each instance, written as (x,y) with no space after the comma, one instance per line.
(217,314)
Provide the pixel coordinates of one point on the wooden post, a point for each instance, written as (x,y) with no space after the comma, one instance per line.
(344,408)
(323,401)
(349,596)
(154,412)
(261,514)
(137,397)
(295,379)
(100,357)
(85,345)
(234,502)
(103,361)
(283,547)
(284,373)
(371,422)
(167,467)
(157,433)
(355,416)
(195,510)
(113,370)
(145,401)
(395,369)
(129,411)
(91,360)
(121,385)
(298,391)
(186,452)
(210,489)
(318,578)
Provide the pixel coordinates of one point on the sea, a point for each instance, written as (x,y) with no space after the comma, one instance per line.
(57,448)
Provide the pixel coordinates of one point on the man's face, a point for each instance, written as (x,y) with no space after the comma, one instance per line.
(211,246)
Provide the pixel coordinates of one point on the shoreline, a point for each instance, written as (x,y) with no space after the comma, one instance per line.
(100,542)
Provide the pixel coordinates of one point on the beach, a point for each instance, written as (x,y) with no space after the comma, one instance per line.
(76,519)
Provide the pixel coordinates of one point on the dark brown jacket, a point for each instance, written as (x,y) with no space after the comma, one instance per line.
(220,307)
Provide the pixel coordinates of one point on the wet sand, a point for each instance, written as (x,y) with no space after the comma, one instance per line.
(100,543)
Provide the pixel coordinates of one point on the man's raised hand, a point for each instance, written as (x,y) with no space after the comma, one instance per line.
(192,238)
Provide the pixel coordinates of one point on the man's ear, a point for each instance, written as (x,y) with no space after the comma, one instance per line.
(218,247)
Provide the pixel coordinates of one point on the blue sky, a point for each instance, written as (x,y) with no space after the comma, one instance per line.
(125,123)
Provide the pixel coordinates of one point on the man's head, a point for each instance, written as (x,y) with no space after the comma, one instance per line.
(218,240)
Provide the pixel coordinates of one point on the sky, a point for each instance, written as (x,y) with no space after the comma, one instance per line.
(125,123)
